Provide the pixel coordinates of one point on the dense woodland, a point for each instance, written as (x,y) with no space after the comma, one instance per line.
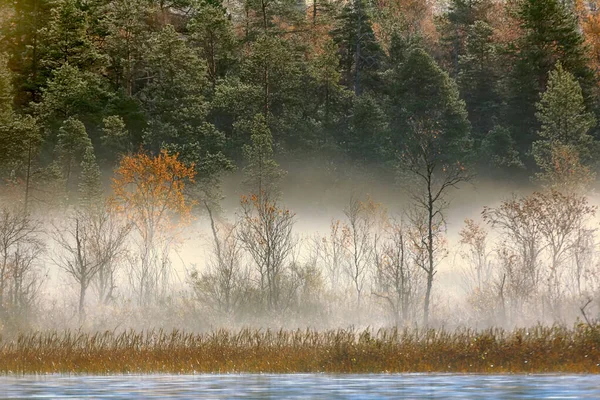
(120,118)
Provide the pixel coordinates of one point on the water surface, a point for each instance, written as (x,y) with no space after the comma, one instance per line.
(304,386)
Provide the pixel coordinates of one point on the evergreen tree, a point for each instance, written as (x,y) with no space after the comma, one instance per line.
(19,135)
(421,93)
(21,36)
(6,89)
(174,103)
(478,79)
(73,141)
(565,148)
(72,93)
(211,30)
(126,29)
(115,135)
(366,130)
(456,24)
(67,40)
(268,17)
(361,54)
(550,34)
(90,181)
(262,174)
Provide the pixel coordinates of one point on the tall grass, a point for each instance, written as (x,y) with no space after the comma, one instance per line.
(540,349)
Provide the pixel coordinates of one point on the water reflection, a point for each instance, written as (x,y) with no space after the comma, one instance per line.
(304,386)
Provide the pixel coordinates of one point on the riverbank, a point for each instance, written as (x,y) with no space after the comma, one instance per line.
(540,349)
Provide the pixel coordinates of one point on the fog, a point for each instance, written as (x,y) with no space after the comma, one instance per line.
(317,194)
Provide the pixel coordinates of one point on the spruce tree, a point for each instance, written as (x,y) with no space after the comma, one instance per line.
(550,34)
(90,181)
(565,149)
(73,141)
(421,93)
(262,174)
(478,78)
(361,54)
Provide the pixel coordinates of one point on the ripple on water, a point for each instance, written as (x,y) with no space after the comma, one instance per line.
(304,386)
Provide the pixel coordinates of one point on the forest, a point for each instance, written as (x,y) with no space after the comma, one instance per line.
(121,122)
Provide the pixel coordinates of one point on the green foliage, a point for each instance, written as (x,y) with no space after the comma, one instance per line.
(90,182)
(115,135)
(262,174)
(126,32)
(550,34)
(72,93)
(212,32)
(18,134)
(424,97)
(479,77)
(361,54)
(562,112)
(564,137)
(73,142)
(66,39)
(366,130)
(342,81)
(455,27)
(500,148)
(6,89)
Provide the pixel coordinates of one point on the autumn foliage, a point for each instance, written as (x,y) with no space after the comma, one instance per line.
(151,189)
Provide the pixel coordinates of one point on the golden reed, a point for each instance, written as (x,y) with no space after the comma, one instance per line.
(534,350)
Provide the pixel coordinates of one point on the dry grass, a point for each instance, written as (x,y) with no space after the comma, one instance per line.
(539,349)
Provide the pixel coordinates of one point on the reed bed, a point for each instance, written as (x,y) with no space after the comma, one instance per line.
(536,350)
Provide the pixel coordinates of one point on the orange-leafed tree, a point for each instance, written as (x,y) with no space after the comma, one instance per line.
(150,191)
(589,20)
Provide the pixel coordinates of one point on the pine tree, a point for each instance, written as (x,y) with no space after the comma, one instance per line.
(565,149)
(127,31)
(262,174)
(421,93)
(550,34)
(67,40)
(361,54)
(456,24)
(19,135)
(73,141)
(6,89)
(90,181)
(478,78)
(212,32)
(115,135)
(21,35)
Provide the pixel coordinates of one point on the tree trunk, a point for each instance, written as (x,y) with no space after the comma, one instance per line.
(430,270)
(82,290)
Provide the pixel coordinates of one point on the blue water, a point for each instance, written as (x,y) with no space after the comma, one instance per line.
(304,386)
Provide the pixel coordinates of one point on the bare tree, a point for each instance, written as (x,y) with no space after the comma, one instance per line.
(397,278)
(521,245)
(88,243)
(476,254)
(434,169)
(265,231)
(330,251)
(18,234)
(561,217)
(583,259)
(221,286)
(109,237)
(20,252)
(360,243)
